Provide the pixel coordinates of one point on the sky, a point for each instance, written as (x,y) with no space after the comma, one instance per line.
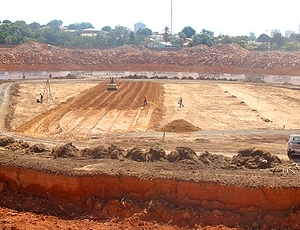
(227,17)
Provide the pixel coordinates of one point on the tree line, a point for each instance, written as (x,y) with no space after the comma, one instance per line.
(15,33)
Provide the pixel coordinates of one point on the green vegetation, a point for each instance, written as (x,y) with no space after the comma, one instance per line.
(84,35)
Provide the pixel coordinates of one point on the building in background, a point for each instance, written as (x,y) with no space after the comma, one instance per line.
(252,35)
(273,32)
(288,33)
(90,32)
(138,26)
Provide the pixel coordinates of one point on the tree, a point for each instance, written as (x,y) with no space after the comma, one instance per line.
(182,37)
(225,39)
(6,21)
(208,32)
(279,39)
(188,31)
(290,46)
(35,25)
(295,37)
(145,32)
(263,47)
(86,25)
(166,34)
(132,38)
(15,33)
(55,23)
(202,38)
(263,38)
(175,41)
(106,28)
(119,36)
(74,26)
(101,40)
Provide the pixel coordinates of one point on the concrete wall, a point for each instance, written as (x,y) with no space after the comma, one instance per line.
(295,80)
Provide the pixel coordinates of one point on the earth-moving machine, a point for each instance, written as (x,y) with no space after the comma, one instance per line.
(112,85)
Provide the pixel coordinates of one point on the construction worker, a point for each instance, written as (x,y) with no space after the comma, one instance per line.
(180,102)
(145,101)
(41,97)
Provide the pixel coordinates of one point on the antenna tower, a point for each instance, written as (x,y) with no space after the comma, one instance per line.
(171,28)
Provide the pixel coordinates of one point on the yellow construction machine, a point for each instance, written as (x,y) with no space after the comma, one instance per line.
(112,85)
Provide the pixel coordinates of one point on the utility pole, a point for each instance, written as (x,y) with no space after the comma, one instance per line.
(171,28)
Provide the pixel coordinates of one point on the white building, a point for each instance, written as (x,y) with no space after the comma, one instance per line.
(273,32)
(288,33)
(90,32)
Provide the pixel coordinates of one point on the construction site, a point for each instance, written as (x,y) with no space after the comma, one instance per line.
(189,139)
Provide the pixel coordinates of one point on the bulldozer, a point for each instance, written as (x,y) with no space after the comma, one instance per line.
(112,85)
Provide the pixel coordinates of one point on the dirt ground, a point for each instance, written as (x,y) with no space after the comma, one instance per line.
(229,134)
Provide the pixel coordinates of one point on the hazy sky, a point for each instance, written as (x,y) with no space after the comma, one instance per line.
(229,17)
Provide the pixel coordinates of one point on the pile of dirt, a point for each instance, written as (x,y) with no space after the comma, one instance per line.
(65,151)
(180,126)
(250,158)
(103,152)
(151,154)
(31,55)
(183,154)
(254,158)
(10,143)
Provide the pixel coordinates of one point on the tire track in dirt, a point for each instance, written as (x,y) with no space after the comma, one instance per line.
(97,109)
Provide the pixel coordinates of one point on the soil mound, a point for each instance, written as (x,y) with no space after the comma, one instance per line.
(220,58)
(254,158)
(215,160)
(11,144)
(136,154)
(38,148)
(151,154)
(103,152)
(183,154)
(65,151)
(5,141)
(155,154)
(180,126)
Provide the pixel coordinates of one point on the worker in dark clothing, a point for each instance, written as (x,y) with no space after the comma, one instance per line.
(145,102)
(41,97)
(180,102)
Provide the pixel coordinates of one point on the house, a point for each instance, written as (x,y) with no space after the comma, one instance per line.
(90,32)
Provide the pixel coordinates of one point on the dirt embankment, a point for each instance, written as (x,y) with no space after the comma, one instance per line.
(180,189)
(221,58)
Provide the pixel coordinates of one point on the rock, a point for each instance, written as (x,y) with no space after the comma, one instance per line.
(38,148)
